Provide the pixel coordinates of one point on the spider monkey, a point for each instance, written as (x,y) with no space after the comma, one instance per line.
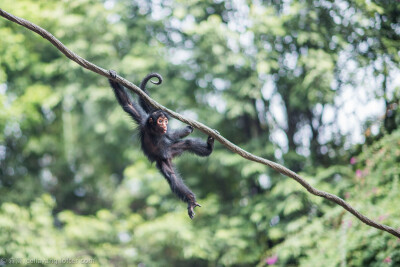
(159,143)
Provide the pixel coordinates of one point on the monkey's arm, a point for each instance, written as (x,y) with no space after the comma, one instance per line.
(130,107)
(181,133)
(193,145)
(147,108)
(177,186)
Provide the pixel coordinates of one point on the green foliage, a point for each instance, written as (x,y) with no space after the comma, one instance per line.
(74,184)
(333,237)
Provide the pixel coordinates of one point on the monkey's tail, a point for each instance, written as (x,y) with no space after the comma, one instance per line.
(149,77)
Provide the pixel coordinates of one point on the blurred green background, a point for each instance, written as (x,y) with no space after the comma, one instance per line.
(313,85)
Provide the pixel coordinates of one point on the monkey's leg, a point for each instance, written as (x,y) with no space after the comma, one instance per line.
(177,186)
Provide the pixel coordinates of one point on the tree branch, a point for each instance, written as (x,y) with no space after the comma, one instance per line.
(203,128)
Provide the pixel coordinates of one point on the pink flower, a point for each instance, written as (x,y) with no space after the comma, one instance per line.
(359,173)
(347,223)
(387,259)
(353,160)
(272,260)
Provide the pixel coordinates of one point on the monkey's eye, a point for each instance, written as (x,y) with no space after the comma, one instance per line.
(160,120)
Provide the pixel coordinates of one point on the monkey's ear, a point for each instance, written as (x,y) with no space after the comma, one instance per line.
(151,120)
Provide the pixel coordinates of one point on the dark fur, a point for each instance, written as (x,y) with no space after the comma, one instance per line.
(159,147)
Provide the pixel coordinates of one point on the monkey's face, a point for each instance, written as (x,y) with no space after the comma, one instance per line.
(158,123)
(162,124)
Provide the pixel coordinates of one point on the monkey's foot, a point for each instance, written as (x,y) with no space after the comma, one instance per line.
(191,207)
(113,73)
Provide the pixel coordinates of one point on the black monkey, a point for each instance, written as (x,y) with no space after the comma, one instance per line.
(160,144)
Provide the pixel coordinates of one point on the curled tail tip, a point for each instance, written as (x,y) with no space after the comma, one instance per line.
(149,77)
(156,83)
(156,75)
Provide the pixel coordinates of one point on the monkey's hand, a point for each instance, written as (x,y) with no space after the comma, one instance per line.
(210,141)
(189,129)
(113,73)
(191,206)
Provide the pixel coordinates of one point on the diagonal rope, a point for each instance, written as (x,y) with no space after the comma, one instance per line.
(203,128)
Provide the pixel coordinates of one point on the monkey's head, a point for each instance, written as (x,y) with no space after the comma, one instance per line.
(158,122)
